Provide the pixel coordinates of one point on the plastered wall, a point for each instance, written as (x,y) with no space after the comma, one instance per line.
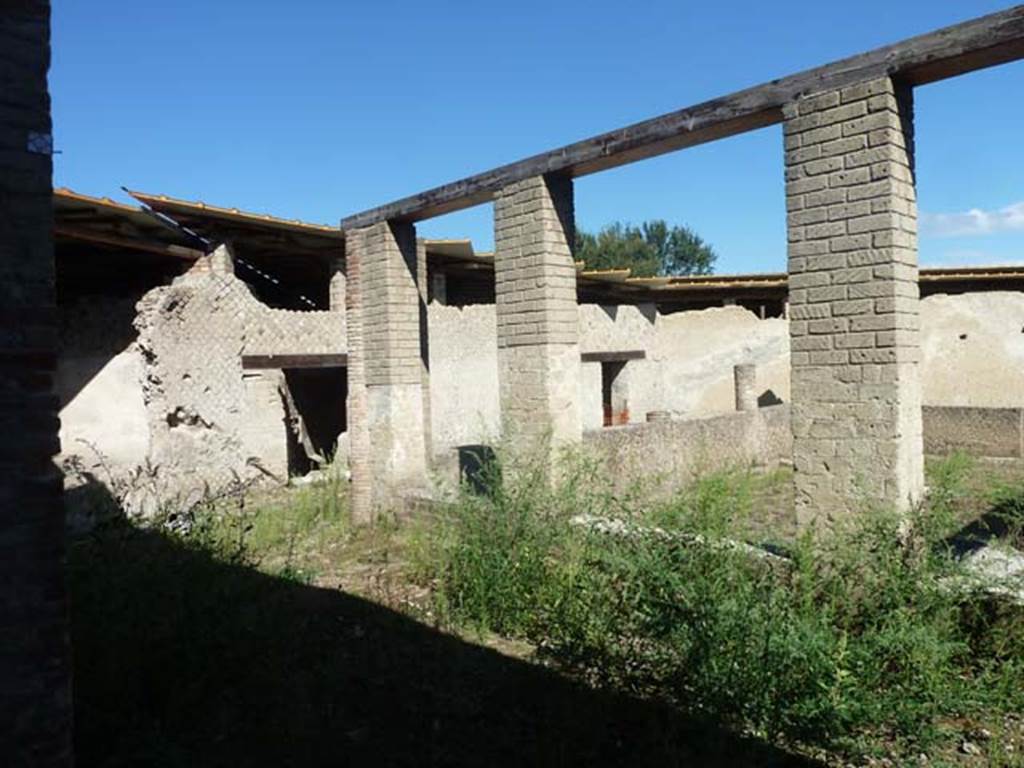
(99,367)
(687,369)
(178,395)
(690,356)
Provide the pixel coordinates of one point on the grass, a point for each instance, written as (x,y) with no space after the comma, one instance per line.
(263,629)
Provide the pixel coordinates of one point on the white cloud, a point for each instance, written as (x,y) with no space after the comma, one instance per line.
(974,222)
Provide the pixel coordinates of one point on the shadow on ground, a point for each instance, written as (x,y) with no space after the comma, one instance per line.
(1003,522)
(182,659)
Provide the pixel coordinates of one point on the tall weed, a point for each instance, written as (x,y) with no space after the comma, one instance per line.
(855,633)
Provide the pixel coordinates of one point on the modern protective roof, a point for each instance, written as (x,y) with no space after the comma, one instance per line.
(107,222)
(201,210)
(258,233)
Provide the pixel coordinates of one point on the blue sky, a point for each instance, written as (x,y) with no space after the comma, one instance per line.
(315,109)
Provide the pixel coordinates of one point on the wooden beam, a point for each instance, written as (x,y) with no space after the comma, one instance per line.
(147,246)
(982,42)
(258,362)
(612,357)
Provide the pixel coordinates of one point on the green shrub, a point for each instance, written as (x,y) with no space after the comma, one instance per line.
(855,634)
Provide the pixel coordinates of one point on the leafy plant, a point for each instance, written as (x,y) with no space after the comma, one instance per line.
(854,633)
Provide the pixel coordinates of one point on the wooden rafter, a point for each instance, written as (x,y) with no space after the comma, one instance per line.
(148,246)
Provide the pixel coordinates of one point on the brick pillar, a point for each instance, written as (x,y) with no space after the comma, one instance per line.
(360,497)
(745,383)
(35,690)
(390,301)
(538,334)
(423,288)
(336,290)
(853,300)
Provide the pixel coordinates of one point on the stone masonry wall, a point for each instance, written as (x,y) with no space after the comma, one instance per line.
(538,326)
(663,456)
(853,299)
(208,417)
(35,695)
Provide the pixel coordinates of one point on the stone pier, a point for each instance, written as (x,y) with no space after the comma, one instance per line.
(853,300)
(338,287)
(385,260)
(745,383)
(538,334)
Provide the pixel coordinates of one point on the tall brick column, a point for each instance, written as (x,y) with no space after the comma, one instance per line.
(390,301)
(360,496)
(423,288)
(853,300)
(538,334)
(35,690)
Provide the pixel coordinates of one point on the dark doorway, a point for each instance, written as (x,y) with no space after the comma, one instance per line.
(317,417)
(613,401)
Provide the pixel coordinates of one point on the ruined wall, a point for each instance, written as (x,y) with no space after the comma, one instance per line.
(665,455)
(206,416)
(668,454)
(171,392)
(688,370)
(696,352)
(463,375)
(35,694)
(972,353)
(992,432)
(184,401)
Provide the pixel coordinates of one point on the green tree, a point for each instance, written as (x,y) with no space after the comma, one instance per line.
(651,249)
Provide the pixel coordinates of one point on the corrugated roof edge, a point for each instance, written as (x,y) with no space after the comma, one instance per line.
(165,203)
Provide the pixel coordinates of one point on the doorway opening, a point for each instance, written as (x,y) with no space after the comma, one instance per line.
(613,393)
(317,419)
